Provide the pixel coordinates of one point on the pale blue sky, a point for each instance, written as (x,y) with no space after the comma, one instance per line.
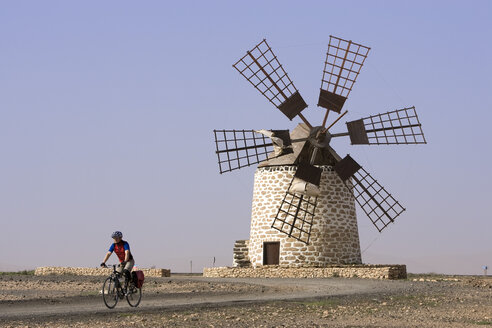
(107,111)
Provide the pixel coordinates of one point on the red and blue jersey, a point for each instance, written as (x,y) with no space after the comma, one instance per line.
(119,249)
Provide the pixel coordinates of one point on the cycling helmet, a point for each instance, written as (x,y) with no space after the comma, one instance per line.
(117,234)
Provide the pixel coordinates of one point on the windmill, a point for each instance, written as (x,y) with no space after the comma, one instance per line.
(307,149)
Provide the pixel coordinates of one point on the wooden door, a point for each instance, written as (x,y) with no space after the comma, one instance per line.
(271,253)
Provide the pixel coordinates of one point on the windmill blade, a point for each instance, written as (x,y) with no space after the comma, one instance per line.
(380,206)
(296,212)
(239,148)
(344,60)
(262,69)
(295,216)
(398,127)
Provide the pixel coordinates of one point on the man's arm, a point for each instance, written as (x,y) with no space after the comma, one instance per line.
(108,254)
(126,247)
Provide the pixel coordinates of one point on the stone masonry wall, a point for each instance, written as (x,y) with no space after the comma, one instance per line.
(44,271)
(334,235)
(347,271)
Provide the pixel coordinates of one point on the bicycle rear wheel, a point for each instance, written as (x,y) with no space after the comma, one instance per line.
(110,293)
(134,295)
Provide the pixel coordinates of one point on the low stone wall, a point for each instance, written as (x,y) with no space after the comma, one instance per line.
(44,271)
(345,271)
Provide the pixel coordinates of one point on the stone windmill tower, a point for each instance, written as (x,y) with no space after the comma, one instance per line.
(303,211)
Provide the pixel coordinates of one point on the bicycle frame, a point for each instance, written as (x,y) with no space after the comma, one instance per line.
(116,278)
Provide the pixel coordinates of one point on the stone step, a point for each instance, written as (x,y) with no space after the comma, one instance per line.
(240,254)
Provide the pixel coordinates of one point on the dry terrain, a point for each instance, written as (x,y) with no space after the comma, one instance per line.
(186,301)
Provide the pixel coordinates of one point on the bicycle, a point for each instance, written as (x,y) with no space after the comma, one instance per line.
(113,291)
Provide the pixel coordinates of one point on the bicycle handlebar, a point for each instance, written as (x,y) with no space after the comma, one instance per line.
(109,266)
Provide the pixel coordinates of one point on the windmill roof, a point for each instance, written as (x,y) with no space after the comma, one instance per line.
(300,148)
(301,131)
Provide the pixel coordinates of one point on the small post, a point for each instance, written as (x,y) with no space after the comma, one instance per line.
(191,266)
(213,264)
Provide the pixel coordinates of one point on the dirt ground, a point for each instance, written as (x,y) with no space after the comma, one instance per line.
(420,301)
(29,287)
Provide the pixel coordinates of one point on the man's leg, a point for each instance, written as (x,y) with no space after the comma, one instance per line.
(127,271)
(119,269)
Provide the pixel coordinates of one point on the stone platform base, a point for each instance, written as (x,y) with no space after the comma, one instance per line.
(44,271)
(346,271)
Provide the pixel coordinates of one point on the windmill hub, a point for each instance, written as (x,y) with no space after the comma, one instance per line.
(305,193)
(319,137)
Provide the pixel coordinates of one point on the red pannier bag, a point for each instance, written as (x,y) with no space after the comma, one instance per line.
(138,278)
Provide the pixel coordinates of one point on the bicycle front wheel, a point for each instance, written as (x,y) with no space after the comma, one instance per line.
(110,293)
(134,296)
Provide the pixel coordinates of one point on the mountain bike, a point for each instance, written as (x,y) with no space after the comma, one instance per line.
(113,290)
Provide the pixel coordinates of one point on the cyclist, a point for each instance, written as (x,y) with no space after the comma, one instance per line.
(122,250)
